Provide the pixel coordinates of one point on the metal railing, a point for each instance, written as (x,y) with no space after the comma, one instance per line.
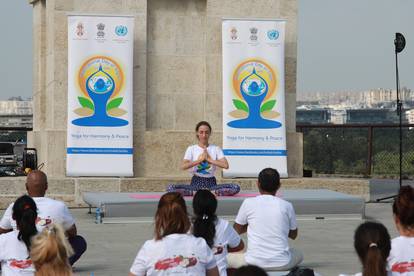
(357,149)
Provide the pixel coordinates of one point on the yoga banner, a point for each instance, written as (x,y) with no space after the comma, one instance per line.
(254,132)
(100,70)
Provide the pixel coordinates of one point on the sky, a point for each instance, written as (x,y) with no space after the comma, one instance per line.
(348,45)
(343,45)
(15,49)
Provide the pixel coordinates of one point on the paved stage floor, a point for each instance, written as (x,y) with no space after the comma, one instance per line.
(326,244)
(311,202)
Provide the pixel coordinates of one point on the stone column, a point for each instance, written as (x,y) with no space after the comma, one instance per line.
(182,52)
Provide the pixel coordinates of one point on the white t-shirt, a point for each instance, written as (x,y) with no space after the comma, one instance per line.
(269,220)
(14,256)
(360,274)
(401,259)
(48,211)
(225,236)
(204,169)
(175,254)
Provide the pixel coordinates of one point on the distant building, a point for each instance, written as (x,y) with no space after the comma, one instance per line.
(16,113)
(338,117)
(372,116)
(313,116)
(410,116)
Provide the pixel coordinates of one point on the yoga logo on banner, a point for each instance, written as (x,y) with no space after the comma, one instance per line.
(254,86)
(101,81)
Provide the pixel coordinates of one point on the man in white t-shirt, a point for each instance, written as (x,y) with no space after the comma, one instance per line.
(269,221)
(49,211)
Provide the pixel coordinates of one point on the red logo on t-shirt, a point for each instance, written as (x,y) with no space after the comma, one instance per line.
(43,221)
(403,267)
(21,264)
(174,262)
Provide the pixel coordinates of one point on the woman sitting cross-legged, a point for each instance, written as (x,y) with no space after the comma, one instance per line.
(217,232)
(173,251)
(202,160)
(15,245)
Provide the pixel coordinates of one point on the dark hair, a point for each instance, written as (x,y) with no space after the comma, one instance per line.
(25,214)
(204,220)
(250,270)
(203,123)
(171,216)
(372,244)
(269,180)
(403,206)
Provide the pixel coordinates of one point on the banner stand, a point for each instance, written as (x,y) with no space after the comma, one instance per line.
(254,131)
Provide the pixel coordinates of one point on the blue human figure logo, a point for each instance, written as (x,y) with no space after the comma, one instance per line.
(254,89)
(100,86)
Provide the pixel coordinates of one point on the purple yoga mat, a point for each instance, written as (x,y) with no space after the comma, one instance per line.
(158,196)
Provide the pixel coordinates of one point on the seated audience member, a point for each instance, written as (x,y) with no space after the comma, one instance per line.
(401,260)
(372,244)
(15,245)
(173,251)
(250,270)
(269,222)
(50,252)
(218,233)
(49,211)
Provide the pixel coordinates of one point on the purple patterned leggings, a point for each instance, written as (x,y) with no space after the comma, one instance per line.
(209,183)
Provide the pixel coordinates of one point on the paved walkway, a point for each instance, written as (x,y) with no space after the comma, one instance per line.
(327,244)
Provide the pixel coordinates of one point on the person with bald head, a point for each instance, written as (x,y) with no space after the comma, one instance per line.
(36,183)
(49,211)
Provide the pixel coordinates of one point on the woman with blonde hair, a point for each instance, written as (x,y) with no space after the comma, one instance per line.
(50,252)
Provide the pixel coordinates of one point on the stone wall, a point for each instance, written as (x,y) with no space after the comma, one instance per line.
(177,76)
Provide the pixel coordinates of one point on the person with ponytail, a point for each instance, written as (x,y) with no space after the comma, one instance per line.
(218,233)
(401,260)
(15,245)
(173,250)
(372,243)
(50,252)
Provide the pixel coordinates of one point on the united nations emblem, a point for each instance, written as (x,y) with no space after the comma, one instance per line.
(273,34)
(121,30)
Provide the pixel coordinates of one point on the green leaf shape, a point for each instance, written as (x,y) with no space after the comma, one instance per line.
(240,105)
(268,105)
(85,102)
(114,103)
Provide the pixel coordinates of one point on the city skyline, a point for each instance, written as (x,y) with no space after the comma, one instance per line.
(354,52)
